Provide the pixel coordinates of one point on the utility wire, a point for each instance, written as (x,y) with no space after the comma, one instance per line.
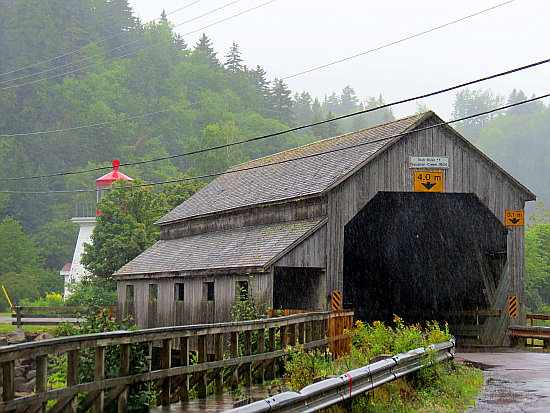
(284,78)
(115,48)
(139,50)
(231,171)
(87,46)
(398,41)
(297,128)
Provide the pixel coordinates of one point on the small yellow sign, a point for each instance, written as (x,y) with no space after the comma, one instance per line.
(428,181)
(514,218)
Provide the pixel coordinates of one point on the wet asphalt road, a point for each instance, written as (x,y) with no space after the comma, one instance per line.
(514,382)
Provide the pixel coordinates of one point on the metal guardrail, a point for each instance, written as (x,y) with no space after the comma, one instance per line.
(335,390)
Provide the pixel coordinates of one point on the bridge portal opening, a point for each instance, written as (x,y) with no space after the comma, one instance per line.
(422,256)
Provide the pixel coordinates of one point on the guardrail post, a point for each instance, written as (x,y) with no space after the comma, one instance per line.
(41,377)
(72,377)
(201,385)
(184,361)
(124,371)
(218,354)
(166,364)
(99,374)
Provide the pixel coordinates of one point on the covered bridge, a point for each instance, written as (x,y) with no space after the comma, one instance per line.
(403,218)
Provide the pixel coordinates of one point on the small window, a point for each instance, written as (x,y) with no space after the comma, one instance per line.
(241,290)
(129,292)
(153,292)
(208,291)
(179,292)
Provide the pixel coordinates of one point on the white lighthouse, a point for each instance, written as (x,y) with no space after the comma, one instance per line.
(77,271)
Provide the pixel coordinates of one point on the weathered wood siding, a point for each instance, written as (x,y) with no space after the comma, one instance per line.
(166,310)
(309,253)
(468,172)
(292,210)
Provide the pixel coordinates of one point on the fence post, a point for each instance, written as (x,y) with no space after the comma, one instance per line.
(72,377)
(166,385)
(41,377)
(261,349)
(218,353)
(272,345)
(234,337)
(18,316)
(8,380)
(124,371)
(247,352)
(202,384)
(99,374)
(184,361)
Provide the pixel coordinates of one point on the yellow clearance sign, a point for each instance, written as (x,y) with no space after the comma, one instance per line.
(428,181)
(514,218)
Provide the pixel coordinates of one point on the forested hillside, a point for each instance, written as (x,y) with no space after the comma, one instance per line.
(66,65)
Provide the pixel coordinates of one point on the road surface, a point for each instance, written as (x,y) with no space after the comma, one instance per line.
(515,381)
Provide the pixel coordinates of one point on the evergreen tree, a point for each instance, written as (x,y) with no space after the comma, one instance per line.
(281,102)
(233,62)
(331,103)
(301,107)
(206,53)
(348,100)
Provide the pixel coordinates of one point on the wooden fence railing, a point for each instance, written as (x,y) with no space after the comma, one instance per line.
(224,354)
(532,332)
(51,316)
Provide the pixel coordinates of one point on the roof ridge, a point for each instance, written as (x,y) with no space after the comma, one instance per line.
(417,115)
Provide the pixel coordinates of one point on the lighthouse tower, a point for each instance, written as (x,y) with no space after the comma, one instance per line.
(75,271)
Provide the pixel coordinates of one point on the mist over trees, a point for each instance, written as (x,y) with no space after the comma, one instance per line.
(92,62)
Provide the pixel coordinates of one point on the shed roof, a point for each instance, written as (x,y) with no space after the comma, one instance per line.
(257,246)
(291,179)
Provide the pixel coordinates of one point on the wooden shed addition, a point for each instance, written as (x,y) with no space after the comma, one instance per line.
(403,218)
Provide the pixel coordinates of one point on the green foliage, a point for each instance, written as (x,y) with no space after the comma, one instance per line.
(537,260)
(376,339)
(246,305)
(124,228)
(140,395)
(21,266)
(49,300)
(301,366)
(93,292)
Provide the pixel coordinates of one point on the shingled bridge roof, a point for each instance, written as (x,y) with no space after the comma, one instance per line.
(306,176)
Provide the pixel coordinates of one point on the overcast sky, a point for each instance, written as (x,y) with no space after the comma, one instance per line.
(286,37)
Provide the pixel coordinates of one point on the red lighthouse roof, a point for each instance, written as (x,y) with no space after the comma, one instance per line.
(112,176)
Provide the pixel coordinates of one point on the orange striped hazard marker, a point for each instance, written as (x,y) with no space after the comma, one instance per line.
(336,300)
(513,305)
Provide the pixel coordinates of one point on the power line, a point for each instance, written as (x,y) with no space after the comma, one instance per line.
(113,49)
(87,46)
(297,128)
(139,50)
(291,159)
(398,41)
(284,78)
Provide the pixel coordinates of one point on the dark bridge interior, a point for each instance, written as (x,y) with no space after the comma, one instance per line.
(421,256)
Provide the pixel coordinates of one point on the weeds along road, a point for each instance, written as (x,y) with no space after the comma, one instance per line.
(515,381)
